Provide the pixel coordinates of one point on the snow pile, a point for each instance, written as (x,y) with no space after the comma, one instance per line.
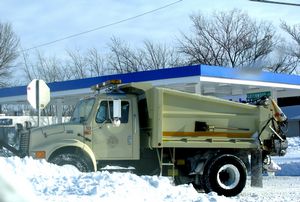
(37,180)
(294,145)
(53,183)
(14,187)
(290,163)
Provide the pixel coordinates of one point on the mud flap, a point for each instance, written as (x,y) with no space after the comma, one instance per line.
(256,168)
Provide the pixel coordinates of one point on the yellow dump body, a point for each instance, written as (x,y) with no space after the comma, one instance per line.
(180,119)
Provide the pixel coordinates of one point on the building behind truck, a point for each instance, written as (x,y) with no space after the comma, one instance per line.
(196,139)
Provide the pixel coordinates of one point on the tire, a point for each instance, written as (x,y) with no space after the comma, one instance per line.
(81,162)
(225,175)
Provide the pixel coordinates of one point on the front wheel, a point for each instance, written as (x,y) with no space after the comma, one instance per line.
(225,175)
(79,161)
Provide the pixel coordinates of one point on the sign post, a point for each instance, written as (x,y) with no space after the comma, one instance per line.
(38,95)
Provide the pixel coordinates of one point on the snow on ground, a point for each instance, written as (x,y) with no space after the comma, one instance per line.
(285,185)
(53,183)
(290,163)
(275,189)
(37,180)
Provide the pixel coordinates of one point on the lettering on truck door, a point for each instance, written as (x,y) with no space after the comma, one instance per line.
(109,141)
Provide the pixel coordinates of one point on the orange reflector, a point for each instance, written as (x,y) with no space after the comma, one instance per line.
(278,114)
(40,154)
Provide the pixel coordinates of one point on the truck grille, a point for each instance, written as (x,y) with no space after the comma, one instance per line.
(24,142)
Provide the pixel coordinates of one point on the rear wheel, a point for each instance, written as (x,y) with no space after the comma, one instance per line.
(225,175)
(81,162)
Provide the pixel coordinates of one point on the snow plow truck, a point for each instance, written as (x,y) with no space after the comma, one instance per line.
(209,142)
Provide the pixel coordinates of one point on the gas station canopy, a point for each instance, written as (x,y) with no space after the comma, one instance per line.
(203,79)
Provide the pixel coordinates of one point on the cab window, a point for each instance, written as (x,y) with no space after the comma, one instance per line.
(105,112)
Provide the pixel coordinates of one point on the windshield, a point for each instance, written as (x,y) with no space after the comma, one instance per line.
(82,110)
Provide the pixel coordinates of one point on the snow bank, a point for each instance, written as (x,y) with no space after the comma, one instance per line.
(37,180)
(290,163)
(53,183)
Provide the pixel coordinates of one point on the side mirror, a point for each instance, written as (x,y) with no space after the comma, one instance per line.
(117,112)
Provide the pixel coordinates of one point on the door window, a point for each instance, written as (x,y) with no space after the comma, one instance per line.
(105,112)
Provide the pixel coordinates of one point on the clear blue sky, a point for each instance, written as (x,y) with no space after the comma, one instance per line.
(38,22)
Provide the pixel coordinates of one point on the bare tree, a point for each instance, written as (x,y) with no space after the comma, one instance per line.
(77,64)
(86,64)
(50,69)
(8,51)
(123,58)
(282,61)
(227,39)
(96,62)
(159,56)
(293,31)
(292,49)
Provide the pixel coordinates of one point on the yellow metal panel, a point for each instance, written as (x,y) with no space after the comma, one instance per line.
(245,143)
(173,115)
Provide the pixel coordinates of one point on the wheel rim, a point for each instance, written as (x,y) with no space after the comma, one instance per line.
(228,176)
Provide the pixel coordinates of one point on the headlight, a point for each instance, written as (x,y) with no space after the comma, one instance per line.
(11,138)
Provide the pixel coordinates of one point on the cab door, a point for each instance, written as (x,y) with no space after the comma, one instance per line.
(109,141)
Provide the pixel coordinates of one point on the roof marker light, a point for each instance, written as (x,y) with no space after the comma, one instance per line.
(106,84)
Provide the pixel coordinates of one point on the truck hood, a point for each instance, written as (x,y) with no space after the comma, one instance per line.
(48,138)
(58,129)
(52,134)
